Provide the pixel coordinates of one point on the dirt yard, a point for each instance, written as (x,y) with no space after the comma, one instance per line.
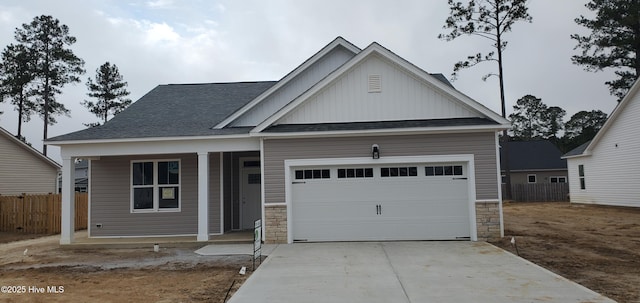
(48,273)
(596,246)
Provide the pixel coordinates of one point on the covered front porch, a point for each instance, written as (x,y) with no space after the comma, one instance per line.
(164,191)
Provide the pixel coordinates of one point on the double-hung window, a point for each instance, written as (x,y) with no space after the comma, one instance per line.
(155,185)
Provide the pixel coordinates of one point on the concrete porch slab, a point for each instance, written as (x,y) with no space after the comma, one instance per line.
(81,240)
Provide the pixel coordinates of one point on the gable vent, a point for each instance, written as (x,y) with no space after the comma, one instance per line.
(375,85)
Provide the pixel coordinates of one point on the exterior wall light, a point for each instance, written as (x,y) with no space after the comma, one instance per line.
(375,151)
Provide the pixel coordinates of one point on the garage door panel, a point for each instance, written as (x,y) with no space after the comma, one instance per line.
(381,208)
(328,211)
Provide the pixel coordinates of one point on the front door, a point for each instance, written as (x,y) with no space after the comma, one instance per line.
(250,196)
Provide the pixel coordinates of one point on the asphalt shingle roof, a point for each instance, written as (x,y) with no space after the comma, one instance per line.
(578,150)
(440,77)
(533,155)
(176,110)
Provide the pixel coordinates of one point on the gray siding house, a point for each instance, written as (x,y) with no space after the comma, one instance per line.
(537,161)
(23,169)
(354,144)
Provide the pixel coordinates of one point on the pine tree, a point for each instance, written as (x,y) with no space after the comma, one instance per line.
(582,127)
(110,91)
(15,77)
(528,118)
(614,42)
(488,19)
(54,65)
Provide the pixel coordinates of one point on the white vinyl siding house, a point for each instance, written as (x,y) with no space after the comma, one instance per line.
(607,171)
(25,170)
(264,150)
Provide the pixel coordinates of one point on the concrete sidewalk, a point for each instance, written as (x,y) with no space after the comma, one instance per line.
(405,272)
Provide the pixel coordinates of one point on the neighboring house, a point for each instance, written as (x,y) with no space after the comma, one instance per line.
(536,161)
(81,175)
(606,170)
(23,169)
(351,145)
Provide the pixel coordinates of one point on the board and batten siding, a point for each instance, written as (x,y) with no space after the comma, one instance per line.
(23,172)
(612,172)
(481,145)
(111,200)
(402,97)
(296,86)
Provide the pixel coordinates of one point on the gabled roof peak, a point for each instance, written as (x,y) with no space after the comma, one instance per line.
(378,50)
(29,148)
(335,43)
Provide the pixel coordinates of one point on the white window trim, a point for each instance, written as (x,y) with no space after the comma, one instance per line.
(156,199)
(534,175)
(582,179)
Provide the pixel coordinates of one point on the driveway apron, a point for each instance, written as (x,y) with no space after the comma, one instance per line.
(418,271)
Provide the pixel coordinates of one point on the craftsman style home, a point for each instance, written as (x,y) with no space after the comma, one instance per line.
(352,145)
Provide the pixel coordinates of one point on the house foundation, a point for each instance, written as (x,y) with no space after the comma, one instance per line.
(275,224)
(488,220)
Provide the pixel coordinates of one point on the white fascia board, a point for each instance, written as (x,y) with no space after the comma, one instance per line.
(584,154)
(612,117)
(339,41)
(83,150)
(381,160)
(385,53)
(149,139)
(386,131)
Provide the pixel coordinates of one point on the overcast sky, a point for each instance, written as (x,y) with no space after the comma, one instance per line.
(165,41)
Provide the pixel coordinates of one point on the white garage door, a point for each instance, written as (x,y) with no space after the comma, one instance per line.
(422,201)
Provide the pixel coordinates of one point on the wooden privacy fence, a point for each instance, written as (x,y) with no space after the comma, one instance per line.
(39,214)
(538,192)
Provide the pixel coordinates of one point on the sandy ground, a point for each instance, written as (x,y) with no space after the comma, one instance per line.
(48,273)
(596,246)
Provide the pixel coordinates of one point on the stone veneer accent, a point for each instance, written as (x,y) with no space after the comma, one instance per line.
(275,224)
(488,220)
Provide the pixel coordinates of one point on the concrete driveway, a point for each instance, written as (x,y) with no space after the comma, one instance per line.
(405,272)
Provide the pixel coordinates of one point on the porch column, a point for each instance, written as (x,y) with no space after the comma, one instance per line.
(68,201)
(203,196)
